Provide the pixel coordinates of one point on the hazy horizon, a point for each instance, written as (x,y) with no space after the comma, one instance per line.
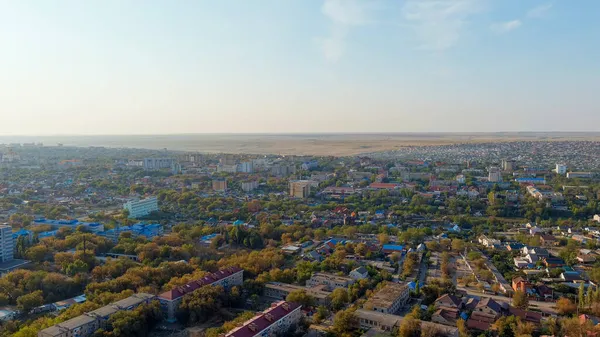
(104,68)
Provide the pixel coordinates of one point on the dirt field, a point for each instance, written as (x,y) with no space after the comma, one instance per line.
(300,144)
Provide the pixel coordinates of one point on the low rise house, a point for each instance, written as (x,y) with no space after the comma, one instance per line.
(445,316)
(280,291)
(331,281)
(448,301)
(359,273)
(489,307)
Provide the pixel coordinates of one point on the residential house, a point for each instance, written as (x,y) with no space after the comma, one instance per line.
(548,240)
(554,262)
(331,281)
(479,321)
(489,307)
(359,273)
(526,316)
(445,316)
(572,276)
(448,301)
(519,283)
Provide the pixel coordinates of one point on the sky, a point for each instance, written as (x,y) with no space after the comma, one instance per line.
(276,66)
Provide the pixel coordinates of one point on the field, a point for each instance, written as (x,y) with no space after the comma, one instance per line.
(297,144)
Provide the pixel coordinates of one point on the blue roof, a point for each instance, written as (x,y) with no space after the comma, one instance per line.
(464,315)
(412,285)
(393,247)
(238,222)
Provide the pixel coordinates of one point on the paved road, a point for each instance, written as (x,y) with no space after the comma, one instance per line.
(545,306)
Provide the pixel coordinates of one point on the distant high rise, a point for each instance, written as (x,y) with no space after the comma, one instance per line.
(508,165)
(299,188)
(6,243)
(219,185)
(495,175)
(140,208)
(246,167)
(561,169)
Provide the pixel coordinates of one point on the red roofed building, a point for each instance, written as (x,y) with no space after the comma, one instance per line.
(275,320)
(382,186)
(228,277)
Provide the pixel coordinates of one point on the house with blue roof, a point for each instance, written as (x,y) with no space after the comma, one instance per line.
(149,231)
(238,222)
(390,248)
(94,227)
(22,232)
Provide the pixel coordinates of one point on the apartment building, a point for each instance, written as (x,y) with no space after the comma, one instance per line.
(299,189)
(581,175)
(86,324)
(280,291)
(274,321)
(249,186)
(153,164)
(219,185)
(228,277)
(494,175)
(330,281)
(389,299)
(6,243)
(140,208)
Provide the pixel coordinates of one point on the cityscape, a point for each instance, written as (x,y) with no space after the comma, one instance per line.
(324,168)
(466,239)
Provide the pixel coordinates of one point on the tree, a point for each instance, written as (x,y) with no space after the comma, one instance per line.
(520,300)
(30,301)
(301,297)
(581,296)
(339,298)
(565,306)
(458,245)
(361,249)
(37,253)
(409,327)
(344,322)
(462,328)
(430,330)
(383,238)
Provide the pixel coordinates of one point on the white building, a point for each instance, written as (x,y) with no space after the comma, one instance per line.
(227,168)
(152,164)
(460,179)
(495,175)
(561,169)
(140,208)
(274,321)
(597,217)
(249,186)
(246,167)
(6,243)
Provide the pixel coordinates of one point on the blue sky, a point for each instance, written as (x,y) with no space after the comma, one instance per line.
(142,67)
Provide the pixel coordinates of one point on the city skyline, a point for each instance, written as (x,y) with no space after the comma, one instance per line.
(299,67)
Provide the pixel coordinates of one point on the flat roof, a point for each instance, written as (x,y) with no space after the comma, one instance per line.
(77,322)
(317,293)
(385,297)
(333,277)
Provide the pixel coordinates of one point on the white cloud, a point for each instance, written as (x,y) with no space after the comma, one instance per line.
(439,24)
(505,27)
(539,11)
(343,14)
